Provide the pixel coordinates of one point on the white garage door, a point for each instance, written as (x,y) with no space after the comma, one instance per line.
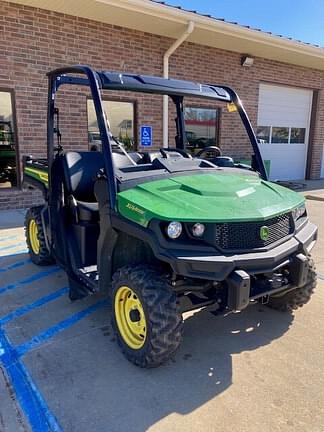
(283,129)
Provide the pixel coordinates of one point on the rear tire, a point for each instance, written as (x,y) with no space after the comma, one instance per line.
(299,296)
(35,237)
(141,297)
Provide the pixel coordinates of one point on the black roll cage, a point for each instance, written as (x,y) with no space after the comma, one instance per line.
(176,89)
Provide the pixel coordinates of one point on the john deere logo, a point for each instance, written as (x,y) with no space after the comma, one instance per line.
(264,233)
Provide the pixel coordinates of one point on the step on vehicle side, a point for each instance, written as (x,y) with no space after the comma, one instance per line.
(164,232)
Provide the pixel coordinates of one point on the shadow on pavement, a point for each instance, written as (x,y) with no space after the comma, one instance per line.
(91,386)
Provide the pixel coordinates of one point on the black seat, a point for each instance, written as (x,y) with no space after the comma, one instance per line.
(149,157)
(120,160)
(80,170)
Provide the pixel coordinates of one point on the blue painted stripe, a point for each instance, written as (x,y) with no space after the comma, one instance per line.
(29,279)
(15,265)
(9,238)
(320,276)
(12,246)
(38,303)
(40,417)
(57,328)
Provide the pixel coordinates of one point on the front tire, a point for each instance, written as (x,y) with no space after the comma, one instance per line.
(145,316)
(35,237)
(298,297)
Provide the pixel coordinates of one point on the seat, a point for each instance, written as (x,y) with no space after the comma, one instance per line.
(88,211)
(120,160)
(149,157)
(80,171)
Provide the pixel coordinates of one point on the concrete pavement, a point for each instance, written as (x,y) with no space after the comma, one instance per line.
(256,370)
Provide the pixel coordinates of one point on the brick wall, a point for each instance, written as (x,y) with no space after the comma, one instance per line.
(35,41)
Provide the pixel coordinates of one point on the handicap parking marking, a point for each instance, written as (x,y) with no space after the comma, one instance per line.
(5,254)
(35,407)
(29,279)
(40,418)
(15,265)
(47,334)
(12,246)
(12,237)
(29,397)
(36,304)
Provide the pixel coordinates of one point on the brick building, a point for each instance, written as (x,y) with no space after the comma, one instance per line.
(282,91)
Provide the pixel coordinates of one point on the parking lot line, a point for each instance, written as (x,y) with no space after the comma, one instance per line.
(29,279)
(57,328)
(38,303)
(15,265)
(12,237)
(40,417)
(14,252)
(12,246)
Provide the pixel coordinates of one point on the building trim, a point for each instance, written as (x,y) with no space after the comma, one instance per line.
(168,21)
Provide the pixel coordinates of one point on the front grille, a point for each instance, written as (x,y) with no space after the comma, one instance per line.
(246,235)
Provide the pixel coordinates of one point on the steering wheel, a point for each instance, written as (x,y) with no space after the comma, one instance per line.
(178,153)
(211,152)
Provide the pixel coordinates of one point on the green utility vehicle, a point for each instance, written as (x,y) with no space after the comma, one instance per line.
(163,232)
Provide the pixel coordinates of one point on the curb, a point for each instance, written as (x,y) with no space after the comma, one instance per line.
(314,197)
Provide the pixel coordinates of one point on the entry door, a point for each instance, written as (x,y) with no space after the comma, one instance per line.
(283,130)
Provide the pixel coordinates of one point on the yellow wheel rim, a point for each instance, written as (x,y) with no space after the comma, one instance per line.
(130,317)
(33,236)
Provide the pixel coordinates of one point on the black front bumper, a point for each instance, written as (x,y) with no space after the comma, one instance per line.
(219,267)
(236,269)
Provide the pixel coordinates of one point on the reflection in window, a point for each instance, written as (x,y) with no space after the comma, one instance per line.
(263,134)
(8,163)
(201,127)
(297,135)
(121,121)
(280,135)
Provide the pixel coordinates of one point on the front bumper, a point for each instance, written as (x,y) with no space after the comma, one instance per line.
(218,267)
(236,269)
(205,263)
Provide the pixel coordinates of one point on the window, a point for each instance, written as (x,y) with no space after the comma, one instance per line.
(281,135)
(201,127)
(8,156)
(263,134)
(121,121)
(297,135)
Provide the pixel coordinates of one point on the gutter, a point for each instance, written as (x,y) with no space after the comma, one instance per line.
(182,16)
(166,57)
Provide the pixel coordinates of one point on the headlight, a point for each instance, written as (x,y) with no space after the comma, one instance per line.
(198,229)
(299,211)
(174,230)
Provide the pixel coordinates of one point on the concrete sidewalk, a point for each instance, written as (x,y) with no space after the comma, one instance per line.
(312,189)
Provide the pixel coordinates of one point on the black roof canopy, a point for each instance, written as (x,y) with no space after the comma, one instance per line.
(141,83)
(157,85)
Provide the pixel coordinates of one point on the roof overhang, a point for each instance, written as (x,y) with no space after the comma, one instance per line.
(147,16)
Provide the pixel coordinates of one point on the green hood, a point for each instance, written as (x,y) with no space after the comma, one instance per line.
(215,197)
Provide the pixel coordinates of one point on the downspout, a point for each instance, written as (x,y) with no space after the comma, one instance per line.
(166,57)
